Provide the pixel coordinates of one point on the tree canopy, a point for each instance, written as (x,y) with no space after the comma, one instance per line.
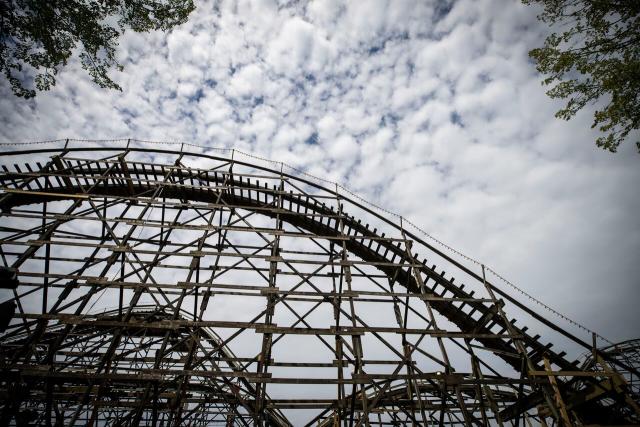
(37,37)
(594,55)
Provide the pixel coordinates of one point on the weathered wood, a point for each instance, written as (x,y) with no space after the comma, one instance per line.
(181,238)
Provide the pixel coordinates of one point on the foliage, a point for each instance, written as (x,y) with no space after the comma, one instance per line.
(594,55)
(37,37)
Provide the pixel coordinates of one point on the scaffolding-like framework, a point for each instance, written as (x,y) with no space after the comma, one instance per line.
(163,287)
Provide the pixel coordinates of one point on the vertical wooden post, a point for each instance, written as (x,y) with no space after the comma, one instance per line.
(557,396)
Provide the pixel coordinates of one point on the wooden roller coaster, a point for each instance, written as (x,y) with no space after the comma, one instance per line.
(149,286)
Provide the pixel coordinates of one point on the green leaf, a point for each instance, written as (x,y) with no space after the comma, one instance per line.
(37,38)
(595,59)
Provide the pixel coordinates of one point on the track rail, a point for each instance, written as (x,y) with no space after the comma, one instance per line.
(479,319)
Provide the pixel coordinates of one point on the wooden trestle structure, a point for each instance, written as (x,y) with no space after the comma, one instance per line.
(160,287)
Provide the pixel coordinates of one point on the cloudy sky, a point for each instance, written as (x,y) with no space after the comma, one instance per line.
(431,109)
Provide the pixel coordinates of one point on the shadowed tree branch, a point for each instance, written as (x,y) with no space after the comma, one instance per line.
(595,57)
(37,37)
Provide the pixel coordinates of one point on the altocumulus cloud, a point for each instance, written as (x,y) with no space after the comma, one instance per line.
(431,109)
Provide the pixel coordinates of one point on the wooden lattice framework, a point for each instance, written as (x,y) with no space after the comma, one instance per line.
(161,287)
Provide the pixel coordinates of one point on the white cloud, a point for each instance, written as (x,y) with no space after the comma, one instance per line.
(325,13)
(185,47)
(248,81)
(214,108)
(299,48)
